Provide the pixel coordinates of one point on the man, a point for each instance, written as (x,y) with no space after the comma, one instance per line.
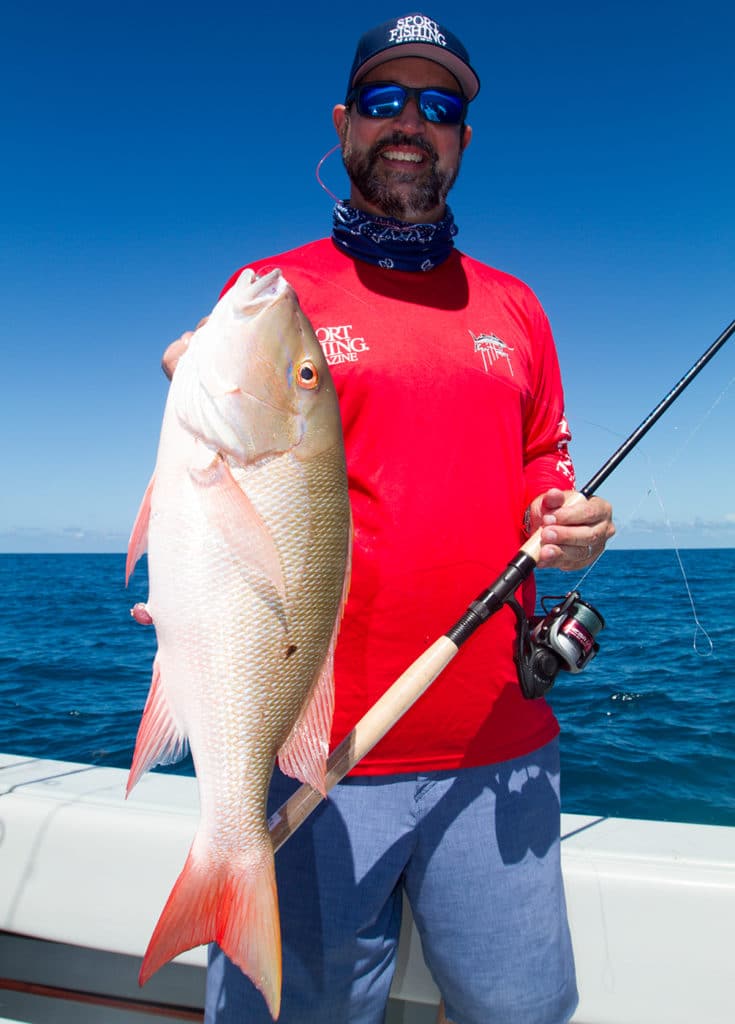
(455,436)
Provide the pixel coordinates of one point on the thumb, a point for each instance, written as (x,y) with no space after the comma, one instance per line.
(554,499)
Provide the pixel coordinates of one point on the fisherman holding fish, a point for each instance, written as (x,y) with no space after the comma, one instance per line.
(456,448)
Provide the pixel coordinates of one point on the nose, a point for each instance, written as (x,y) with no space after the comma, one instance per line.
(410,118)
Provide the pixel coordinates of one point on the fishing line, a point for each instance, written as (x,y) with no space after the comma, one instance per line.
(522,565)
(698,627)
(698,426)
(653,489)
(699,630)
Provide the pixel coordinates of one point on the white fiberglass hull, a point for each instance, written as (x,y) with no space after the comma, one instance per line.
(84,873)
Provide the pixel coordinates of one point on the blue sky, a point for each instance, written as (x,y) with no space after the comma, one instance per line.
(149,149)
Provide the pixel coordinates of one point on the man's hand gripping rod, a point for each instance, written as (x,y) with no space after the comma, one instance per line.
(421,674)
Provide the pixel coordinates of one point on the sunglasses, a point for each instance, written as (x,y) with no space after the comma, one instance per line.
(387,99)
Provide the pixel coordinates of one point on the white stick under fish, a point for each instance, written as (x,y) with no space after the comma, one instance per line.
(247,526)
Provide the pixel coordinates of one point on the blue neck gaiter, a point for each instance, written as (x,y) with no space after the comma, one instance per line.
(392,244)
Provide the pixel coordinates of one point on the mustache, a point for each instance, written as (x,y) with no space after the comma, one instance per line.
(397,138)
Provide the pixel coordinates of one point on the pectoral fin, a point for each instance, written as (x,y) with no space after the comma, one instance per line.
(139,536)
(232,513)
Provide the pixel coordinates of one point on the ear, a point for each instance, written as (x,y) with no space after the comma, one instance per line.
(339,118)
(466,138)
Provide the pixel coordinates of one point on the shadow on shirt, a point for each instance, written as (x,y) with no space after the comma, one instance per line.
(445,287)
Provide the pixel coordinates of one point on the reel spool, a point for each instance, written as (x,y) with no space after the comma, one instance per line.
(561,640)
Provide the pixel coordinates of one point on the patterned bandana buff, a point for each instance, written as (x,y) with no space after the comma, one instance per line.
(392,244)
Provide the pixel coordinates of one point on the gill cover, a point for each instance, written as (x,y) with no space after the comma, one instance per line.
(251,374)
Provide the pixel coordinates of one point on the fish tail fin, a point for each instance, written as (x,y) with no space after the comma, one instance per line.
(234,904)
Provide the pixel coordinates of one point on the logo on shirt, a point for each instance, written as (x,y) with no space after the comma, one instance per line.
(564,463)
(492,348)
(338,344)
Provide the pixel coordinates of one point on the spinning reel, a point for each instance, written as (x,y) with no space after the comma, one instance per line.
(561,639)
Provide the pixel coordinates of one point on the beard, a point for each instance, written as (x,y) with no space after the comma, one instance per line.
(378,186)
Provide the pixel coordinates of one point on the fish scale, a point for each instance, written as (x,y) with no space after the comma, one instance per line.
(247,526)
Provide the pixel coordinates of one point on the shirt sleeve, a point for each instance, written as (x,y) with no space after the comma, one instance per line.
(547,462)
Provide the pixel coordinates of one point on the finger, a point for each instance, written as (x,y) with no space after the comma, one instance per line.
(174,352)
(552,501)
(578,512)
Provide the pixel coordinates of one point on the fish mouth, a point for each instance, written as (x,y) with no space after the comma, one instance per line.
(263,291)
(269,282)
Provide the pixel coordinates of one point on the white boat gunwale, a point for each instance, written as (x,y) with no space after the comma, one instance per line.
(651,904)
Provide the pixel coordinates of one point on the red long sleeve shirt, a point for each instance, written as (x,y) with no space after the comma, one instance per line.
(452,411)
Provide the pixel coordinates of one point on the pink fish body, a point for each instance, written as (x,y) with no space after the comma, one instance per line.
(247,526)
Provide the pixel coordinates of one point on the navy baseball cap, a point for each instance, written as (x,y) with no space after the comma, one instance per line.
(415,35)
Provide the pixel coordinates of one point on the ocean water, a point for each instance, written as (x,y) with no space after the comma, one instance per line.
(648,728)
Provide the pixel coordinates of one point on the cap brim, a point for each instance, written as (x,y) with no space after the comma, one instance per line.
(468,80)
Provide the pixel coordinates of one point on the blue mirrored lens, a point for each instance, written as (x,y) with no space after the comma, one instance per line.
(440,106)
(388,100)
(381,100)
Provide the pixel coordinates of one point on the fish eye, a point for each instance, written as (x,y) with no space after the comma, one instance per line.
(307,375)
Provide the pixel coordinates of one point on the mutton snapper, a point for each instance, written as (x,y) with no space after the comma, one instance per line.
(247,525)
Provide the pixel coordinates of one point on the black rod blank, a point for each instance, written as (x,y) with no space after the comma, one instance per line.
(627,446)
(522,564)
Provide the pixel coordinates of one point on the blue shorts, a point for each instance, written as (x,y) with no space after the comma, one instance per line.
(477,853)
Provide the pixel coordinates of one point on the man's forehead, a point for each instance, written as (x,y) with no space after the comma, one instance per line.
(416,71)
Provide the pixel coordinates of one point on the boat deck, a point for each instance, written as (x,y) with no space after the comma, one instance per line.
(84,874)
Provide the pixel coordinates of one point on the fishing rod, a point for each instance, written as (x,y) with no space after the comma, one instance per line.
(417,678)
